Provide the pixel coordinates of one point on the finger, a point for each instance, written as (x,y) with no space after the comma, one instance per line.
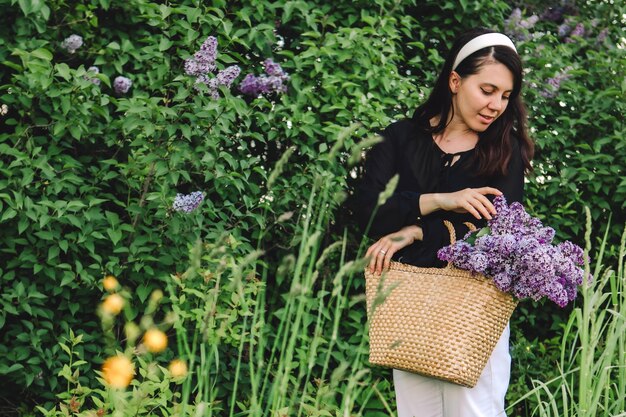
(372,263)
(471,210)
(480,207)
(371,253)
(387,260)
(487,204)
(488,190)
(380,260)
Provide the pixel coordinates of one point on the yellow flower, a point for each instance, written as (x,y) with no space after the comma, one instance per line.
(113,304)
(155,340)
(110,283)
(156,296)
(178,368)
(118,371)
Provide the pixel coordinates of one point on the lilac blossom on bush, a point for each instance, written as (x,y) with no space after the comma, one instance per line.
(273,82)
(554,83)
(518,28)
(203,63)
(121,85)
(72,43)
(516,251)
(604,33)
(579,31)
(187,202)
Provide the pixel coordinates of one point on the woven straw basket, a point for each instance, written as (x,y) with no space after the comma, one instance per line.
(439,322)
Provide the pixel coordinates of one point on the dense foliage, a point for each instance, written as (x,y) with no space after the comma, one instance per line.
(91,159)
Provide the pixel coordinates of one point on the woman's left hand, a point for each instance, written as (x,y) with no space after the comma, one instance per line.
(382,251)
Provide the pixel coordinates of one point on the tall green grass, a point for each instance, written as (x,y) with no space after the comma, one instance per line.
(288,361)
(592,368)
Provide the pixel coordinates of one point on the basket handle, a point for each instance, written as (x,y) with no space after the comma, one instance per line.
(450,228)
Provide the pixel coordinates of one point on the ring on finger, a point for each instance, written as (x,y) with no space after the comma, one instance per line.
(384,252)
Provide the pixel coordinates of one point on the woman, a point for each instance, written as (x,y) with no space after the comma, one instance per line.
(465,145)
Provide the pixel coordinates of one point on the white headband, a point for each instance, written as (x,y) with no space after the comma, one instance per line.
(480,42)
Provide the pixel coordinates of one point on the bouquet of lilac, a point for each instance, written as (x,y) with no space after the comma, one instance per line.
(516,251)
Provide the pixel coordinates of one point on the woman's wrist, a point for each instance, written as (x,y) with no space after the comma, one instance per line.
(415,232)
(429,203)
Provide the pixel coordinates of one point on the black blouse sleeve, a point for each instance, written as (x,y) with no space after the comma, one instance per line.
(381,164)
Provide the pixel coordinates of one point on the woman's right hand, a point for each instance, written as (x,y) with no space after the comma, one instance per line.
(468,200)
(381,251)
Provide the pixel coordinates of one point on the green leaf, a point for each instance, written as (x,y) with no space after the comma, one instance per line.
(143,291)
(63,70)
(25,5)
(114,235)
(8,215)
(165,44)
(42,53)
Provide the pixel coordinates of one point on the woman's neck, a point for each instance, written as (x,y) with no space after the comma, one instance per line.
(456,137)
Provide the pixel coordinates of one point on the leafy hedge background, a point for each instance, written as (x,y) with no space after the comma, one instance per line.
(88,176)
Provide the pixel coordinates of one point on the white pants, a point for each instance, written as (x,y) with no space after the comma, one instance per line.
(420,396)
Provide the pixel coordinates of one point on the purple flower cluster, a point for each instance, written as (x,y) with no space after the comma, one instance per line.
(273,82)
(517,27)
(189,202)
(516,251)
(121,85)
(203,63)
(554,83)
(578,31)
(604,33)
(72,43)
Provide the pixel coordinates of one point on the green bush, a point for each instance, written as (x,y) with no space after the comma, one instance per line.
(88,176)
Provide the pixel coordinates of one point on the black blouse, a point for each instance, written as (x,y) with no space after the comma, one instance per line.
(411,152)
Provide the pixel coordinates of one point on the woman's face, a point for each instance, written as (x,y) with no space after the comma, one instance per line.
(481,98)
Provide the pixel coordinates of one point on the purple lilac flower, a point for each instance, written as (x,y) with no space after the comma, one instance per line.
(602,35)
(72,43)
(554,83)
(518,28)
(570,250)
(273,82)
(519,255)
(272,68)
(188,203)
(121,84)
(93,70)
(228,75)
(564,29)
(203,61)
(224,77)
(579,31)
(478,262)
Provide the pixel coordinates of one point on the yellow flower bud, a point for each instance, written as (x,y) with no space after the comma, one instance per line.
(156,296)
(113,304)
(132,332)
(155,340)
(178,368)
(118,371)
(110,283)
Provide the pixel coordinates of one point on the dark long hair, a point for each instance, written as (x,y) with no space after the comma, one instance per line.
(493,150)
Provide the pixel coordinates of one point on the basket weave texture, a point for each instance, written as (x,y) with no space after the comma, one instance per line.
(439,322)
